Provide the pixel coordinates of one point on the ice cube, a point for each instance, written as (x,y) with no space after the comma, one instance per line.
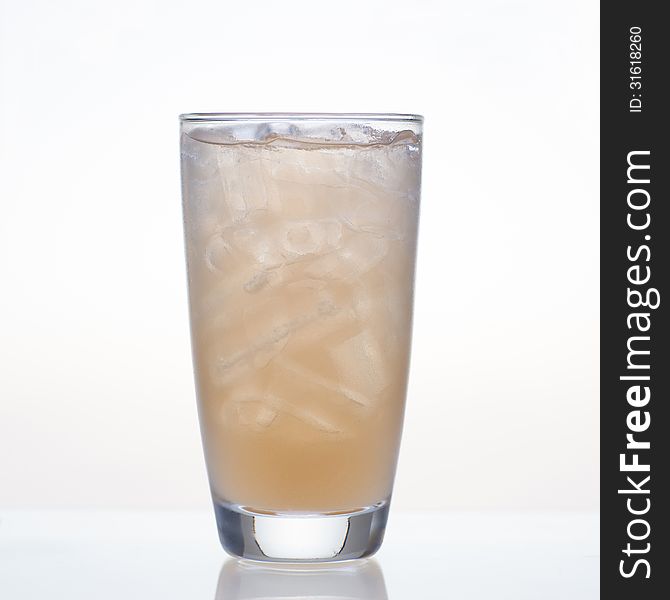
(300,308)
(229,368)
(326,267)
(259,410)
(362,253)
(243,176)
(247,407)
(270,347)
(366,209)
(307,167)
(217,252)
(232,366)
(329,324)
(255,413)
(258,281)
(308,238)
(357,254)
(258,244)
(303,238)
(342,393)
(361,363)
(229,296)
(305,414)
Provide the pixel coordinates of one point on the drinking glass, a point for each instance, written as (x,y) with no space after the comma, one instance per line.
(300,235)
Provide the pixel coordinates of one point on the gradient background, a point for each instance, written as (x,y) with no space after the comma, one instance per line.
(96,394)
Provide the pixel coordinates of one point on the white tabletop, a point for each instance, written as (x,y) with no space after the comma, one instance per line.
(98,555)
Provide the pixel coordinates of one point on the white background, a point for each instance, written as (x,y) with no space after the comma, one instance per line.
(96,394)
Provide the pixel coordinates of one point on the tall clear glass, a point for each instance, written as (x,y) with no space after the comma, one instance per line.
(301,240)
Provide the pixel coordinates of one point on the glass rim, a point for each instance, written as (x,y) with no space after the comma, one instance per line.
(297,116)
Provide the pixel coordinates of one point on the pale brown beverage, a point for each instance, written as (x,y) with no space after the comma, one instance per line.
(301,254)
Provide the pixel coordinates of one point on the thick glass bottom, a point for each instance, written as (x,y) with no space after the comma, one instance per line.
(300,538)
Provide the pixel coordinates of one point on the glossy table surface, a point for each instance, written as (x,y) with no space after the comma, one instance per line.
(100,555)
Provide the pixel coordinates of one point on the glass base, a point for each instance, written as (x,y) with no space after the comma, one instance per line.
(298,538)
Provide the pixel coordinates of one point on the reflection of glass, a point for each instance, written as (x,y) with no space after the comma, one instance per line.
(353,580)
(300,241)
